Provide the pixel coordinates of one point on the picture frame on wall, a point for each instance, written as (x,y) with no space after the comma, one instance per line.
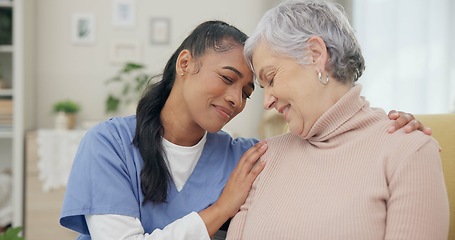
(122,51)
(123,13)
(83,30)
(160,30)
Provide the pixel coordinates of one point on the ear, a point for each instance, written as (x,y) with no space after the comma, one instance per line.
(318,52)
(183,62)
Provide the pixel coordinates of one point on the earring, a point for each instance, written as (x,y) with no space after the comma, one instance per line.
(320,79)
(181,74)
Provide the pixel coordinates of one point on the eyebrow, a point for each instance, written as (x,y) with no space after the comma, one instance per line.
(234,70)
(251,84)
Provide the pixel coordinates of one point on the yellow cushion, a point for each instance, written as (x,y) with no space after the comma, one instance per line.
(443,126)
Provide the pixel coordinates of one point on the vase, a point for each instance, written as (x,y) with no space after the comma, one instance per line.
(65,121)
(70,120)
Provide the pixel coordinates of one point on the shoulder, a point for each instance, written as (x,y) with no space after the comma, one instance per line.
(398,148)
(282,138)
(222,138)
(283,141)
(118,128)
(281,145)
(371,128)
(400,141)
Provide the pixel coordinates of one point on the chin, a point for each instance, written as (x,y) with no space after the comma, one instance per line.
(213,129)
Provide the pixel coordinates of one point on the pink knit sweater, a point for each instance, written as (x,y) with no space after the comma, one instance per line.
(348,179)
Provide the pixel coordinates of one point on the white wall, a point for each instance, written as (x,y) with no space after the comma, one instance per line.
(64,70)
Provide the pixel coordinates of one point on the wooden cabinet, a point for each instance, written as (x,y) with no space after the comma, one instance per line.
(42,209)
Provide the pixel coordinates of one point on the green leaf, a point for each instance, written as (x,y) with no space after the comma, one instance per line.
(12,234)
(112,104)
(126,89)
(114,79)
(141,82)
(128,85)
(66,106)
(132,66)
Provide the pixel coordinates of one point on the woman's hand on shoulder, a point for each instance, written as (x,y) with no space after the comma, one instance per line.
(239,184)
(406,121)
(236,190)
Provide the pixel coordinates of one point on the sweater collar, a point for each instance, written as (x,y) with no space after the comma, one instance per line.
(331,123)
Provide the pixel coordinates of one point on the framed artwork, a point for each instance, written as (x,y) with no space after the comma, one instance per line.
(123,13)
(83,28)
(125,51)
(160,30)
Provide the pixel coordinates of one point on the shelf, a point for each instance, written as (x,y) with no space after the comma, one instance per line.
(6,134)
(6,4)
(6,48)
(6,92)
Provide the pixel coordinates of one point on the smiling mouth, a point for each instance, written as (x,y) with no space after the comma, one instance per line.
(285,110)
(224,112)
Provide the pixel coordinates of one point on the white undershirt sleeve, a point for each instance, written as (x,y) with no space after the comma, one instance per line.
(119,227)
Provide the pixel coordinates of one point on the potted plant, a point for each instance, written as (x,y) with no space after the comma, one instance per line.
(12,233)
(66,111)
(2,83)
(126,87)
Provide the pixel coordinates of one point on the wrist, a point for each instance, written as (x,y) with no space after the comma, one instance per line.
(222,211)
(214,217)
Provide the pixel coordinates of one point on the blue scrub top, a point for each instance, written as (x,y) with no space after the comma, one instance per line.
(105,178)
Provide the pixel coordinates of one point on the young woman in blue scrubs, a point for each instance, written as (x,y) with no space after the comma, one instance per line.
(169,172)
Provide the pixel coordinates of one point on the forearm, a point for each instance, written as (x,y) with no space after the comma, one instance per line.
(112,227)
(236,189)
(213,218)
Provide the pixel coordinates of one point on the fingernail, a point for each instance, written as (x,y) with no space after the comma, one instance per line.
(391,129)
(408,128)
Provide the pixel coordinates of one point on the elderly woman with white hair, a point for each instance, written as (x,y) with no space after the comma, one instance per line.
(338,174)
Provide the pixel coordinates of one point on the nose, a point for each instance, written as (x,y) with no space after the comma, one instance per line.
(269,100)
(234,97)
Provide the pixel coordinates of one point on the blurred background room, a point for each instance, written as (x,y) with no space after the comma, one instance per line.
(66,65)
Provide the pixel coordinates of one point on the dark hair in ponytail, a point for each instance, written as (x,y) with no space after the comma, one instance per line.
(155,175)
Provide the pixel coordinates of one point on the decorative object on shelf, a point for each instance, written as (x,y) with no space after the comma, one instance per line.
(66,111)
(128,85)
(6,114)
(12,233)
(6,206)
(2,82)
(6,26)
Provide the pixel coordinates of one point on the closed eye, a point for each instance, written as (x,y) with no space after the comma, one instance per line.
(271,78)
(246,95)
(227,80)
(271,82)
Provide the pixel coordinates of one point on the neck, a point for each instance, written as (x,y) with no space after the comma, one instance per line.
(336,91)
(179,127)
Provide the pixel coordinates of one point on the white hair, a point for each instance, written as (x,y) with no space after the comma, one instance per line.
(287,27)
